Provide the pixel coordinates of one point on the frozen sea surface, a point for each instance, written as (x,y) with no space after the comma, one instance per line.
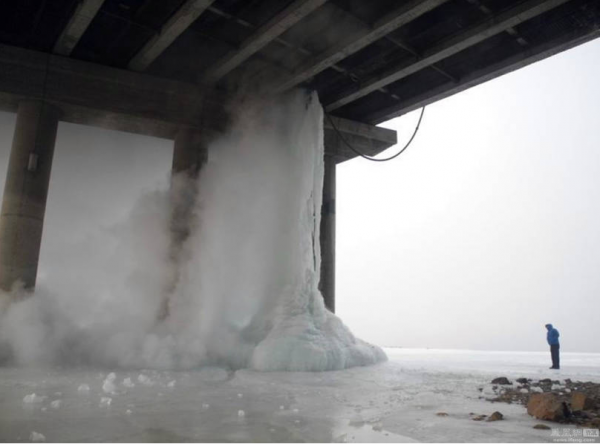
(396,401)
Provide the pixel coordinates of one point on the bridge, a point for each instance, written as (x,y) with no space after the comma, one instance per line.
(172,69)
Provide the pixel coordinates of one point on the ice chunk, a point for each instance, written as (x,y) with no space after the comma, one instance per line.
(537,389)
(109,384)
(56,404)
(33,399)
(83,388)
(128,412)
(556,387)
(205,406)
(239,395)
(145,380)
(171,384)
(127,382)
(105,401)
(524,390)
(241,413)
(37,437)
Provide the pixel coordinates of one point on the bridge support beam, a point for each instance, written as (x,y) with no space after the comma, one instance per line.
(327,283)
(25,193)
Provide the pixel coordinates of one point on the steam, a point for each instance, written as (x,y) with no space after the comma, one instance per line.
(242,280)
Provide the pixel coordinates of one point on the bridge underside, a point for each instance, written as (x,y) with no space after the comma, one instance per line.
(171,69)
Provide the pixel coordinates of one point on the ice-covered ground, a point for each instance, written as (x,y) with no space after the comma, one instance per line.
(395,401)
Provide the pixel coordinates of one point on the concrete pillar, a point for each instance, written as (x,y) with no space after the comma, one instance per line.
(190,153)
(327,283)
(25,193)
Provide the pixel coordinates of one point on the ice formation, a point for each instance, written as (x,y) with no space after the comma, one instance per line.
(243,292)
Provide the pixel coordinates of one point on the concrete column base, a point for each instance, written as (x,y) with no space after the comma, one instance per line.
(25,194)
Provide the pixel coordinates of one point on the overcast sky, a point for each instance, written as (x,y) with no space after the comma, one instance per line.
(483,231)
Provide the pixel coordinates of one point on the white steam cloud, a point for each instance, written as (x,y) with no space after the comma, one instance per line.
(242,287)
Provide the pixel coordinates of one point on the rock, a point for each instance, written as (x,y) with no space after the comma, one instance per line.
(580,401)
(441,414)
(541,427)
(479,417)
(595,422)
(503,380)
(496,416)
(522,380)
(546,406)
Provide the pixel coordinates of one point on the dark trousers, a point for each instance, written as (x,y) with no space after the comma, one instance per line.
(555,357)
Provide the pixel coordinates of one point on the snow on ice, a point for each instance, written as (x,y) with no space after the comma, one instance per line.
(394,401)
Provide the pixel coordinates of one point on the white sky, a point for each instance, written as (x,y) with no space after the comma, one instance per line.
(488,226)
(483,231)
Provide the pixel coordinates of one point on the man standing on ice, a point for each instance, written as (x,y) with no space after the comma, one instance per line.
(552,338)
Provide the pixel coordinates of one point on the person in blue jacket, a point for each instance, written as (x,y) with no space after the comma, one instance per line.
(552,338)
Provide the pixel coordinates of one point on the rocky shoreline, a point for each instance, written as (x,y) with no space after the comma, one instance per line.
(562,401)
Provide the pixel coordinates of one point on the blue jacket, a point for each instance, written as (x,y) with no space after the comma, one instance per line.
(552,335)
